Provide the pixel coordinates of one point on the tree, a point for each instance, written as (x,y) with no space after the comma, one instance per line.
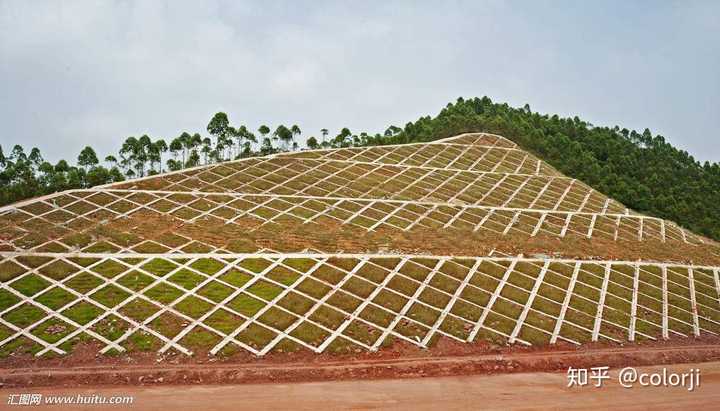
(186,141)
(264,130)
(155,151)
(128,155)
(295,131)
(283,134)
(219,125)
(176,146)
(112,160)
(142,155)
(267,147)
(206,149)
(312,143)
(324,132)
(87,158)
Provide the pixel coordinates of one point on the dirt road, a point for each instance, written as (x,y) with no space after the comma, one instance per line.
(506,391)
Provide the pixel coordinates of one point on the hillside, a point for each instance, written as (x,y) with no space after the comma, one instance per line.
(470,238)
(638,169)
(641,170)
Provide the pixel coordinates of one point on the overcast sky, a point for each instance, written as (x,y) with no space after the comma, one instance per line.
(92,73)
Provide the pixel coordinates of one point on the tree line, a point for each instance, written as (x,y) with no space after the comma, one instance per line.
(640,169)
(26,175)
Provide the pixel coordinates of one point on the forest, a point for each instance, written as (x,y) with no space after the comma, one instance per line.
(641,170)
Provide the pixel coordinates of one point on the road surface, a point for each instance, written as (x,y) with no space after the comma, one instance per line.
(505,391)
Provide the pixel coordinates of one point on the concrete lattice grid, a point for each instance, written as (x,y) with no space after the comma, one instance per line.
(181,294)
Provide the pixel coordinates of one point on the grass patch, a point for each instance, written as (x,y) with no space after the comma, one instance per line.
(109,269)
(264,290)
(246,305)
(24,315)
(283,276)
(159,267)
(7,299)
(193,307)
(215,291)
(296,303)
(10,270)
(277,318)
(135,280)
(30,284)
(82,312)
(163,293)
(139,309)
(223,321)
(236,278)
(52,330)
(207,265)
(186,279)
(110,296)
(84,282)
(55,298)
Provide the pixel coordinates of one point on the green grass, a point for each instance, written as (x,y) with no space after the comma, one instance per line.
(328,316)
(163,293)
(310,333)
(135,280)
(277,318)
(159,267)
(10,270)
(7,299)
(109,269)
(283,276)
(186,279)
(30,284)
(207,265)
(139,309)
(142,341)
(215,291)
(84,282)
(255,265)
(264,290)
(246,305)
(256,335)
(200,338)
(24,315)
(111,327)
(224,321)
(110,295)
(296,303)
(193,307)
(52,330)
(55,298)
(236,278)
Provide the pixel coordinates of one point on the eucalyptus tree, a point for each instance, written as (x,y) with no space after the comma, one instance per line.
(128,155)
(143,153)
(324,133)
(312,143)
(112,160)
(155,151)
(295,131)
(87,158)
(283,134)
(206,149)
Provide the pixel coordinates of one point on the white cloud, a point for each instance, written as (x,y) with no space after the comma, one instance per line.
(78,73)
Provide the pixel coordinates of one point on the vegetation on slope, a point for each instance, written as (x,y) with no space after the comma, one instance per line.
(641,170)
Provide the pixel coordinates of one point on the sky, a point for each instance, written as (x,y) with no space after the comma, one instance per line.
(76,73)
